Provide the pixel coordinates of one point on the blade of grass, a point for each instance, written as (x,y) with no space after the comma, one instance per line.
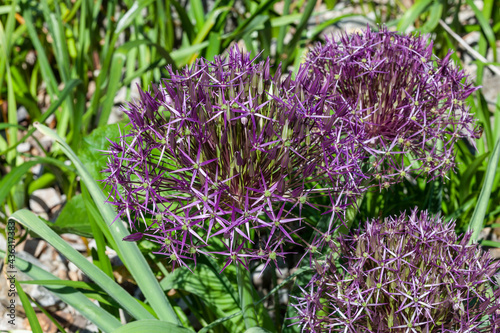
(432,22)
(187,26)
(263,6)
(115,78)
(197,9)
(45,67)
(293,44)
(219,321)
(468,174)
(213,48)
(28,309)
(282,31)
(318,29)
(45,312)
(485,26)
(130,253)
(477,220)
(70,296)
(469,49)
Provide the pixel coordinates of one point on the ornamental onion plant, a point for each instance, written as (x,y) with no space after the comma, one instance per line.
(225,151)
(409,273)
(407,107)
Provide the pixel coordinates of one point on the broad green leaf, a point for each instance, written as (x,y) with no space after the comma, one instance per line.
(67,283)
(151,326)
(245,289)
(477,220)
(73,218)
(257,330)
(130,304)
(90,151)
(207,284)
(102,319)
(219,321)
(128,252)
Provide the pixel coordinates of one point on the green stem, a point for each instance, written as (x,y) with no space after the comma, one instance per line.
(277,311)
(246,297)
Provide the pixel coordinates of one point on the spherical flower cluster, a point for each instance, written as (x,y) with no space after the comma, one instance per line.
(407,107)
(223,149)
(405,274)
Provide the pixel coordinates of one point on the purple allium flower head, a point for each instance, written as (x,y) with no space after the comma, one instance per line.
(407,107)
(405,274)
(223,149)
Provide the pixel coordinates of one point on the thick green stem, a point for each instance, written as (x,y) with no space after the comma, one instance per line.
(246,297)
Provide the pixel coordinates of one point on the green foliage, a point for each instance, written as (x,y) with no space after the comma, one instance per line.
(84,53)
(73,218)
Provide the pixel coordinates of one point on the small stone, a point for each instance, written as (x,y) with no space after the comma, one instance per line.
(23,147)
(495,253)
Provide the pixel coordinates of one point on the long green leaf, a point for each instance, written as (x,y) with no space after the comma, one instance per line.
(151,326)
(412,14)
(294,43)
(115,77)
(245,289)
(45,312)
(466,178)
(30,312)
(435,13)
(130,304)
(70,296)
(128,251)
(67,283)
(477,220)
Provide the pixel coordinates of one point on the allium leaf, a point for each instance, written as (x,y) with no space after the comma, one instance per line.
(129,252)
(257,330)
(32,222)
(73,218)
(30,312)
(206,284)
(141,326)
(477,219)
(101,318)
